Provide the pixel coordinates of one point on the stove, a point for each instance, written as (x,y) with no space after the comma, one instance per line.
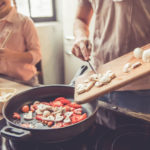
(130,135)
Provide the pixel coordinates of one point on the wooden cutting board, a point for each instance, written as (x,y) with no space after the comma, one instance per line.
(121,79)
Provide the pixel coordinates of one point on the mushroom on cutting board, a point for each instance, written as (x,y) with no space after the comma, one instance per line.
(146,56)
(138,53)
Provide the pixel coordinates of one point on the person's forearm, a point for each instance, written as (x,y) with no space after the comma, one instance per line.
(24,57)
(83,18)
(81,30)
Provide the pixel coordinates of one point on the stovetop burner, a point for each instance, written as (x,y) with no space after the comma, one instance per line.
(132,135)
(85,141)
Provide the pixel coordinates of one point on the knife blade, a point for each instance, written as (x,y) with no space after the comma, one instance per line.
(91,66)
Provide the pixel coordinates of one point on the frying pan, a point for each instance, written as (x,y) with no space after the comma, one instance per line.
(46,93)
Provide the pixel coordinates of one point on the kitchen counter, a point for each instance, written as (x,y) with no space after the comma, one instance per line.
(7,83)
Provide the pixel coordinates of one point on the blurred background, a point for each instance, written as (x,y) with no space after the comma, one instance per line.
(54,22)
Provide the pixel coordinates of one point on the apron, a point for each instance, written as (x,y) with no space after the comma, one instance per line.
(120,26)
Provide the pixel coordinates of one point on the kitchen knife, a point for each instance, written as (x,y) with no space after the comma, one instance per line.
(91,66)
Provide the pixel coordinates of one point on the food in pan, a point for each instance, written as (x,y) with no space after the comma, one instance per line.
(54,114)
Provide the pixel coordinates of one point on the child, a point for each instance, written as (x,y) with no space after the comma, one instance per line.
(19,45)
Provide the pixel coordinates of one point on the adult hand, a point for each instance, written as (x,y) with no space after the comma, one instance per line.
(82,49)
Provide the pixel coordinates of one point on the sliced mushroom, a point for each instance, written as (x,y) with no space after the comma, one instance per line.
(135,65)
(110,74)
(28,116)
(89,85)
(78,111)
(98,84)
(126,67)
(43,107)
(46,113)
(49,118)
(38,112)
(58,117)
(67,120)
(94,77)
(80,86)
(81,90)
(68,114)
(105,79)
(86,80)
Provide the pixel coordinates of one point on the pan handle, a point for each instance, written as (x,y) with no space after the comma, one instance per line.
(15,133)
(78,73)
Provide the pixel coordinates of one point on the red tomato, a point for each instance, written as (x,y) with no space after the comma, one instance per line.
(51,103)
(58,125)
(74,118)
(83,116)
(16,116)
(66,124)
(78,111)
(38,117)
(75,105)
(50,123)
(63,100)
(67,108)
(25,108)
(77,118)
(44,122)
(57,104)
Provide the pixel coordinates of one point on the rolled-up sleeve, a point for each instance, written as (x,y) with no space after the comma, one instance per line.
(32,40)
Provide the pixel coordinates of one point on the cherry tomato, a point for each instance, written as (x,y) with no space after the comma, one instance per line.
(58,125)
(77,118)
(57,104)
(78,111)
(25,108)
(67,108)
(50,123)
(66,124)
(75,105)
(16,116)
(63,100)
(44,122)
(38,117)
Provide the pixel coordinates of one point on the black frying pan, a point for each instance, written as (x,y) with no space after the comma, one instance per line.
(46,93)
